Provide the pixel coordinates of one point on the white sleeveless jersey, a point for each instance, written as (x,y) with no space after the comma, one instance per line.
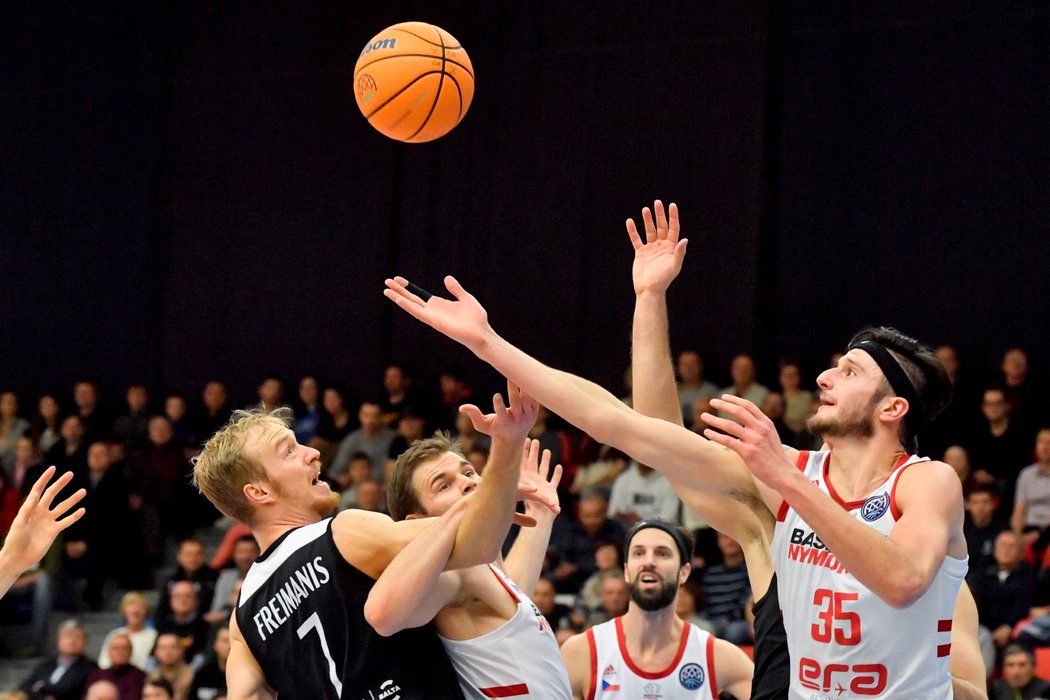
(845,641)
(691,676)
(518,659)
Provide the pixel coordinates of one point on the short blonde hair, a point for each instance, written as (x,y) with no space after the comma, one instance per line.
(134,597)
(223,466)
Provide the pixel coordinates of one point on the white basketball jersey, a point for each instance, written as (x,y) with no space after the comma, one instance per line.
(519,659)
(845,641)
(691,676)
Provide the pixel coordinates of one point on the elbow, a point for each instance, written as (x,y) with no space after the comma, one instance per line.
(905,591)
(378,613)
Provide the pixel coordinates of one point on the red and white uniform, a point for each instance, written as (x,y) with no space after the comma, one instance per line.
(845,641)
(519,659)
(691,676)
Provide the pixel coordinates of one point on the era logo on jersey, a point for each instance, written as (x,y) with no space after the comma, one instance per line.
(859,679)
(691,676)
(875,507)
(651,691)
(610,682)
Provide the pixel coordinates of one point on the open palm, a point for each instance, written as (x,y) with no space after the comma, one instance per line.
(462,318)
(658,260)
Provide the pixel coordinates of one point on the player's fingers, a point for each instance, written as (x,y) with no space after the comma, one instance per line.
(679,251)
(721,439)
(71,518)
(556,477)
(545,463)
(414,308)
(723,424)
(650,227)
(632,233)
(661,219)
(53,489)
(524,520)
(744,408)
(65,505)
(673,227)
(456,289)
(400,287)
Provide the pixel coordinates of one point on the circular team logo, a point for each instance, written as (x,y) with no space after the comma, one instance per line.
(691,676)
(875,507)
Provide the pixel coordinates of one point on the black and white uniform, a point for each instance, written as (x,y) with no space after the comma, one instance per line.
(301,612)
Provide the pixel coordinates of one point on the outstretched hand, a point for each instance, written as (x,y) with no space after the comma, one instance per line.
(462,319)
(754,438)
(534,471)
(659,260)
(511,422)
(38,524)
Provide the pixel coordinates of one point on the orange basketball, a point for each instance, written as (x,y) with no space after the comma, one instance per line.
(413,82)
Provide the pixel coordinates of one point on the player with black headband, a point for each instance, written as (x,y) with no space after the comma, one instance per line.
(869,551)
(649,652)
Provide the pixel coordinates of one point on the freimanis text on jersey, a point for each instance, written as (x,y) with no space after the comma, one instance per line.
(306,579)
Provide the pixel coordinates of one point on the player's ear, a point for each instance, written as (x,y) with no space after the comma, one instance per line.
(414,516)
(895,408)
(257,493)
(683,573)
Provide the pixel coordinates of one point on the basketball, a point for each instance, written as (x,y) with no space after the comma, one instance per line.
(413,82)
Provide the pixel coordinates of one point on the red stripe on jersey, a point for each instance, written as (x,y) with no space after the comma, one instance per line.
(711,664)
(944,649)
(646,674)
(800,463)
(944,625)
(504,584)
(505,691)
(894,510)
(594,662)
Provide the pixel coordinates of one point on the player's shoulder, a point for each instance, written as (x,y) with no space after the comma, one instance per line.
(577,648)
(928,478)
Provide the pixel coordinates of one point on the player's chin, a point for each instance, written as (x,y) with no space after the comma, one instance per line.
(328,504)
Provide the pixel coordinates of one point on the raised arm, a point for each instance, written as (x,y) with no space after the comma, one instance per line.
(671,449)
(413,589)
(525,560)
(657,263)
(969,677)
(898,568)
(36,526)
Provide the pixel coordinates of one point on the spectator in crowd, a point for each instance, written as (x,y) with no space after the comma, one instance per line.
(69,453)
(691,383)
(1032,500)
(642,493)
(468,436)
(553,440)
(160,473)
(12,427)
(192,567)
(308,412)
(953,423)
(132,426)
(573,541)
(545,600)
(956,457)
(599,471)
(615,594)
(89,551)
(271,392)
(171,667)
(373,438)
(744,384)
(455,390)
(370,496)
(64,675)
(411,426)
(478,458)
(608,562)
(127,677)
(1004,593)
(158,689)
(48,422)
(89,407)
(185,621)
(982,526)
(104,690)
(1019,681)
(209,682)
(215,409)
(176,410)
(359,471)
(1022,394)
(10,500)
(28,466)
(798,402)
(998,445)
(689,603)
(334,425)
(135,609)
(726,590)
(397,393)
(245,552)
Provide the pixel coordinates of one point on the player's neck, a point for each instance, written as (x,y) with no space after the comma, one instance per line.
(269,532)
(648,633)
(858,465)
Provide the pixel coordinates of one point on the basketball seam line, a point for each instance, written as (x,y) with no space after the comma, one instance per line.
(414,81)
(441,82)
(413,55)
(432,43)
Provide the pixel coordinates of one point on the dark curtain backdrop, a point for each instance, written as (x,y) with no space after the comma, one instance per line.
(188,191)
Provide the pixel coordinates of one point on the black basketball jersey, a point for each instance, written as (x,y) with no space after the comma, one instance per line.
(301,611)
(772,664)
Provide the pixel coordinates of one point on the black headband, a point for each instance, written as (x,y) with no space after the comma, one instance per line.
(915,418)
(683,547)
